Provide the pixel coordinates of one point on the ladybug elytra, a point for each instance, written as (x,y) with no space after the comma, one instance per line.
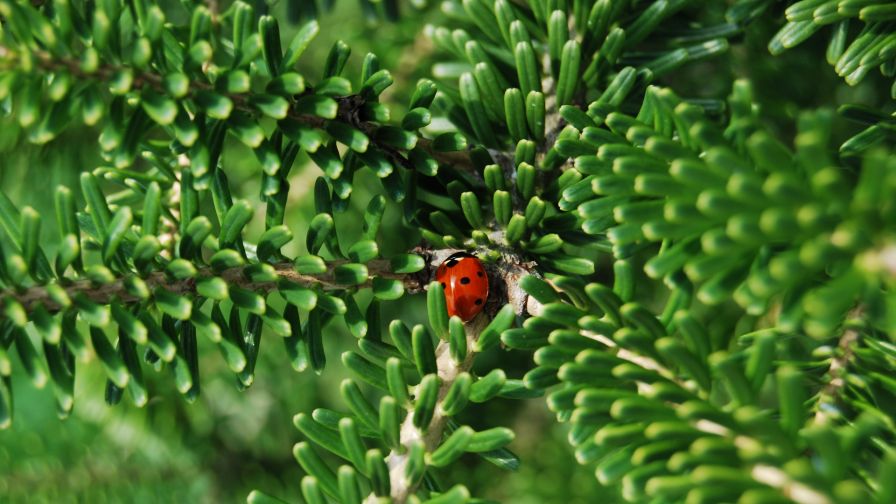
(465,283)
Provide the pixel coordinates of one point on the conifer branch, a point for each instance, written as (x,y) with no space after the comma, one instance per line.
(431,436)
(796,491)
(348,110)
(639,360)
(117,290)
(830,394)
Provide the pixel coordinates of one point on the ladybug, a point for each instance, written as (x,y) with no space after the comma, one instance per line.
(465,283)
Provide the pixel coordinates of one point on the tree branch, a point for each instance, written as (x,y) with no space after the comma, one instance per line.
(448,370)
(792,489)
(349,106)
(104,294)
(640,361)
(829,395)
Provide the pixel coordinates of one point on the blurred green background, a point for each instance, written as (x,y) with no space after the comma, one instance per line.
(229,442)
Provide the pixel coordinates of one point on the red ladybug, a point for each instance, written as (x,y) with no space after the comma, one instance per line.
(465,283)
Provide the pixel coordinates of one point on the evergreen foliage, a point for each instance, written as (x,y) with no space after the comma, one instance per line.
(707,298)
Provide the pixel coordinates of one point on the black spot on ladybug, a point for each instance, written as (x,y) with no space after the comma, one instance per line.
(478,302)
(451,263)
(465,280)
(444,286)
(479,274)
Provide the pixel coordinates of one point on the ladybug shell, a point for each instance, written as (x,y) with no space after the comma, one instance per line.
(465,283)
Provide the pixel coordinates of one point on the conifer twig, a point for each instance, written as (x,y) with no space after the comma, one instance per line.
(830,393)
(448,370)
(789,487)
(105,294)
(639,360)
(348,110)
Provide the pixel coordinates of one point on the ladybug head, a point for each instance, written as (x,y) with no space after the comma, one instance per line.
(458,256)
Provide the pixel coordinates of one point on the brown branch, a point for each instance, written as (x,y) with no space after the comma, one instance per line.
(348,111)
(105,294)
